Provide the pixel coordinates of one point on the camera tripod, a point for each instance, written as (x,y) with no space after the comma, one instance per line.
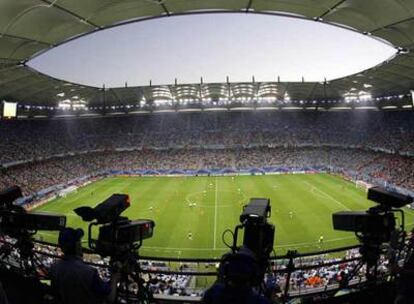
(29,263)
(130,273)
(370,256)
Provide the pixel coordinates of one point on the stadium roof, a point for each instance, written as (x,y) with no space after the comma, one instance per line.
(31,27)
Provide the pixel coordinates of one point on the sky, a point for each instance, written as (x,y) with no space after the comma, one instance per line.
(213,46)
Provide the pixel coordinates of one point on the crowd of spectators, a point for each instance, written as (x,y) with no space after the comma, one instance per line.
(173,285)
(28,139)
(362,164)
(327,271)
(370,144)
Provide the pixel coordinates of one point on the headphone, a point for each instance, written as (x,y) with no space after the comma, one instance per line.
(240,265)
(68,239)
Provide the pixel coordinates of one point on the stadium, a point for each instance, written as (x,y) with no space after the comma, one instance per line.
(190,156)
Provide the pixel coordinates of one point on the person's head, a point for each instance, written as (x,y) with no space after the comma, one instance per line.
(70,241)
(239,269)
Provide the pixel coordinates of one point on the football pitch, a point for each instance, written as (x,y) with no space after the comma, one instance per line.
(302,207)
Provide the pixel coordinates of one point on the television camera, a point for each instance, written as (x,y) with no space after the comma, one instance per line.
(119,238)
(258,233)
(19,224)
(20,268)
(15,221)
(117,234)
(257,245)
(375,227)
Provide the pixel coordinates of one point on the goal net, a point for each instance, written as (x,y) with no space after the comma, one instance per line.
(363,185)
(66,191)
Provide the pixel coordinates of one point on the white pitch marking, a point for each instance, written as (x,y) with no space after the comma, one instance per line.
(327,195)
(222,248)
(215,216)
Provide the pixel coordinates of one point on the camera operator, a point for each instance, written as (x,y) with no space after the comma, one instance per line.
(237,275)
(75,282)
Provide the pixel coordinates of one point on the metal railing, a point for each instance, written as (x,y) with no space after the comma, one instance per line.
(293,270)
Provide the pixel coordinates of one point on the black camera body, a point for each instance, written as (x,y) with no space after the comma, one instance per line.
(388,198)
(117,234)
(258,233)
(20,277)
(246,265)
(378,223)
(118,238)
(15,221)
(11,221)
(374,225)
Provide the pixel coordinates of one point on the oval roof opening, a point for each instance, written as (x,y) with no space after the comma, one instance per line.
(213,46)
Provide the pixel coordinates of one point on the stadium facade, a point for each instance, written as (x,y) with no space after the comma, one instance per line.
(384,86)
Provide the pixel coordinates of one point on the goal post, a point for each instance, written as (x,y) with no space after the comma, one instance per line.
(66,191)
(363,185)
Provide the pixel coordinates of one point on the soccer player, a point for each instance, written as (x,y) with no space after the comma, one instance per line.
(290,214)
(151,208)
(190,236)
(321,239)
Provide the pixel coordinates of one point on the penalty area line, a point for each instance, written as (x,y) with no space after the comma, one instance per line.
(327,195)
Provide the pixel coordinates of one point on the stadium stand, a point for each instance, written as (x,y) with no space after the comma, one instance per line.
(42,153)
(39,154)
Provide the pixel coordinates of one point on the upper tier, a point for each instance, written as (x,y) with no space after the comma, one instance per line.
(27,139)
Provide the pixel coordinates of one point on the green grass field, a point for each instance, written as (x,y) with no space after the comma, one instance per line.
(219,201)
